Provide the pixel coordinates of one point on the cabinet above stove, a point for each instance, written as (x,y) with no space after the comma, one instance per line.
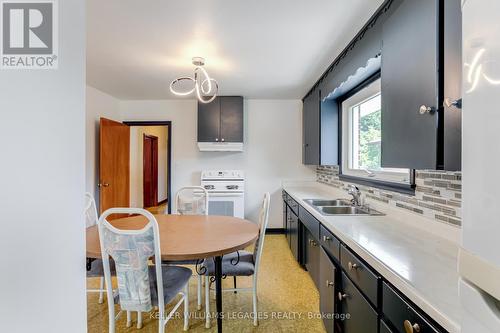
(220,124)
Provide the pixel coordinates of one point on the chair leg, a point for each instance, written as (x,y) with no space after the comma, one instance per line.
(200,281)
(111,320)
(161,320)
(234,281)
(186,307)
(101,292)
(129,319)
(254,294)
(139,320)
(162,326)
(207,302)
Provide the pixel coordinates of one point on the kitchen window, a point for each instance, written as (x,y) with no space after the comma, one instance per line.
(362,138)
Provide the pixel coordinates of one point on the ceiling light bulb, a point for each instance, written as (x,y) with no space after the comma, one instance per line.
(200,80)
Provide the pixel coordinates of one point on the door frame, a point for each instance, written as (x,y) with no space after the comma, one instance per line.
(154,161)
(167,123)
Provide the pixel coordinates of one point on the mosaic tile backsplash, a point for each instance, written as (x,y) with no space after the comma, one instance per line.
(438,194)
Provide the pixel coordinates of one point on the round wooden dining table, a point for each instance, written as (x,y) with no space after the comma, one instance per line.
(188,237)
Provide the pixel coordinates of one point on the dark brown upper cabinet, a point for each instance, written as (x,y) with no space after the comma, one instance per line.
(221,120)
(420,65)
(320,121)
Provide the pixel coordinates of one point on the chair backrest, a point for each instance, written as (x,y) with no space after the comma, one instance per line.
(263,222)
(192,200)
(131,250)
(91,216)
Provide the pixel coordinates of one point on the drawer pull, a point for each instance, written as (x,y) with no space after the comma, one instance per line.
(409,328)
(352,266)
(342,296)
(313,243)
(326,238)
(329,283)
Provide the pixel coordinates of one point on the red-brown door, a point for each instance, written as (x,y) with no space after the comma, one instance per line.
(114,164)
(150,170)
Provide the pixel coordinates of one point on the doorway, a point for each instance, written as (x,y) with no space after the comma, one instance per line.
(150,170)
(150,165)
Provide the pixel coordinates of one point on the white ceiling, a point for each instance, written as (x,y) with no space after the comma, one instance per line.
(271,49)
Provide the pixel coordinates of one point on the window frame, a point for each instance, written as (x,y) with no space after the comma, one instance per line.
(358,177)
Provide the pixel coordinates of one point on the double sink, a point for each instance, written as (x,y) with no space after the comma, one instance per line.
(340,207)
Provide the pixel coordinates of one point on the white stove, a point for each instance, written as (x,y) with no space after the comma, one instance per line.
(226,189)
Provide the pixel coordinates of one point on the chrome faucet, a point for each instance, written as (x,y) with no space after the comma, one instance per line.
(356,194)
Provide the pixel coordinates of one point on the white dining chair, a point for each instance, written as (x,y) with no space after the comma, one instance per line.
(191,200)
(241,263)
(96,268)
(140,286)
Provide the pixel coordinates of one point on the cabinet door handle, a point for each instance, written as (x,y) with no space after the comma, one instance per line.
(426,109)
(216,139)
(222,140)
(448,103)
(103,185)
(352,266)
(326,239)
(329,283)
(409,328)
(342,296)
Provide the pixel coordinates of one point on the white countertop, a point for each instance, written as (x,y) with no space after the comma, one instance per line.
(421,264)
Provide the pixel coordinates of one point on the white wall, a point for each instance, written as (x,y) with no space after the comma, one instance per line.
(98,105)
(272,147)
(136,162)
(42,240)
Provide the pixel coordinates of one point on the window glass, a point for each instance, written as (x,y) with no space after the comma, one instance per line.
(362,137)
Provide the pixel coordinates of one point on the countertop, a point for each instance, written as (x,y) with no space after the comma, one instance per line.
(420,263)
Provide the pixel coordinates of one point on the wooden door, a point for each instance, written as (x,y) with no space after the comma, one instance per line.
(150,170)
(114,164)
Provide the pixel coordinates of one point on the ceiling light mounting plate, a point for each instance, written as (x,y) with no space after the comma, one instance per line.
(198,61)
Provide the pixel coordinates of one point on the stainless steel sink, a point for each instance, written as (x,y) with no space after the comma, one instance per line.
(341,207)
(336,202)
(347,210)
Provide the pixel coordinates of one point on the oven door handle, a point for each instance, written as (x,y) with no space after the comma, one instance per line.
(225,195)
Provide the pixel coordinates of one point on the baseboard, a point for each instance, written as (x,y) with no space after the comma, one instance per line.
(275,231)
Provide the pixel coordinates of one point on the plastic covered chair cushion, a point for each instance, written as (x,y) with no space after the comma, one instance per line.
(174,280)
(245,266)
(130,253)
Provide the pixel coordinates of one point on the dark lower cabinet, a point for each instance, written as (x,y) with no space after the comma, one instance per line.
(362,276)
(354,298)
(362,317)
(327,290)
(401,314)
(384,328)
(293,222)
(285,220)
(311,256)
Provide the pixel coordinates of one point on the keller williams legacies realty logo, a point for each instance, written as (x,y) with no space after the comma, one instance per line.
(29,34)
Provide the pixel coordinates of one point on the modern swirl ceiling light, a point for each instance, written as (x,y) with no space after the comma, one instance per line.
(204,85)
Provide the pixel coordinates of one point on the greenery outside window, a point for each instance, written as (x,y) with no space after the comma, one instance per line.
(362,135)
